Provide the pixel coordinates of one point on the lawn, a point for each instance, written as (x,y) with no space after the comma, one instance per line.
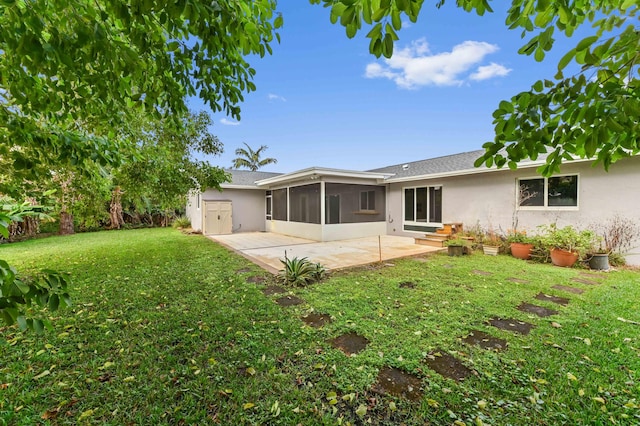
(167,329)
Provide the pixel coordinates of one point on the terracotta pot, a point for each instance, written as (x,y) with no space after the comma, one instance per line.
(521,250)
(563,258)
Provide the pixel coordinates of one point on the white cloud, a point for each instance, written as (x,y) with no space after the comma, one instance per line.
(416,65)
(274,97)
(489,71)
(229,122)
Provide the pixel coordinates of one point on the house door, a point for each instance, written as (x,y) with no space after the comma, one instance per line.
(217,217)
(332,209)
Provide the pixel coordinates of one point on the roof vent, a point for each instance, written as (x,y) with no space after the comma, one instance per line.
(405,167)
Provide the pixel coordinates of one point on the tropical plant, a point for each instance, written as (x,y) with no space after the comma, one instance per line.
(300,271)
(181,222)
(515,236)
(590,114)
(250,159)
(567,238)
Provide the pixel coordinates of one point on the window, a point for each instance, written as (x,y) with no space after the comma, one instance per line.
(423,204)
(368,201)
(554,192)
(304,203)
(279,204)
(268,205)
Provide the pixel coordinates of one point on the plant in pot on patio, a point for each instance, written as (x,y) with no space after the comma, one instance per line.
(456,246)
(566,244)
(520,244)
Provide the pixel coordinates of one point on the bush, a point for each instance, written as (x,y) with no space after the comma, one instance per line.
(181,222)
(300,271)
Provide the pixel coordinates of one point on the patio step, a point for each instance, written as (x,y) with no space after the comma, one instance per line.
(436,236)
(430,241)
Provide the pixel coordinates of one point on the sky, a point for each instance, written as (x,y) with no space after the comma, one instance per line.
(323,100)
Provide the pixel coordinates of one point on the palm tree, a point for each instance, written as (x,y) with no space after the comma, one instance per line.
(250,159)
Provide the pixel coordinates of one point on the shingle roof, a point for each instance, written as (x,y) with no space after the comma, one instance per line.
(446,164)
(247,177)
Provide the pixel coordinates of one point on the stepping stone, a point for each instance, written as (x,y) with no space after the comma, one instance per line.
(535,309)
(273,289)
(485,341)
(255,279)
(350,343)
(316,320)
(484,273)
(407,284)
(392,381)
(289,301)
(518,280)
(511,324)
(243,270)
(568,289)
(447,365)
(584,281)
(559,300)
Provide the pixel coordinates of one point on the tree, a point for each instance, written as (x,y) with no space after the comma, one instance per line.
(74,72)
(250,159)
(590,114)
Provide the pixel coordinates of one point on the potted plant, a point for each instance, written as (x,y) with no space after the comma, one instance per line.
(520,244)
(491,243)
(455,246)
(566,244)
(599,257)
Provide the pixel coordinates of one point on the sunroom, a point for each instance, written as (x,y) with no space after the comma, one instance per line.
(326,204)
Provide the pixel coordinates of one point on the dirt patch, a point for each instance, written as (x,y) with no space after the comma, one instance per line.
(316,320)
(585,281)
(518,280)
(255,279)
(289,301)
(485,341)
(407,284)
(559,300)
(350,343)
(484,273)
(447,365)
(273,289)
(396,382)
(511,324)
(243,270)
(568,289)
(537,310)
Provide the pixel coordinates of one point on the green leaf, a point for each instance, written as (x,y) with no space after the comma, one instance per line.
(586,42)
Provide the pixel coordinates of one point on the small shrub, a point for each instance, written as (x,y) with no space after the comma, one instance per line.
(300,271)
(181,222)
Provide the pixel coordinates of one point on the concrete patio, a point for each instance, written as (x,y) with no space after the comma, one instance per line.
(266,249)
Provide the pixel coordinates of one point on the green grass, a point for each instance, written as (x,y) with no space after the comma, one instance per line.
(164,330)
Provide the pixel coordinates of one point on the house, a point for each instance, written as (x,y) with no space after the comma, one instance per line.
(410,199)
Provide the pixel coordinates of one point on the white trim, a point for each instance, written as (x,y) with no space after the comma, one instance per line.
(476,171)
(415,213)
(317,172)
(545,199)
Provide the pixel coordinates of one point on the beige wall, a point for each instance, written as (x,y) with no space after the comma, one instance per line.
(248,208)
(489,199)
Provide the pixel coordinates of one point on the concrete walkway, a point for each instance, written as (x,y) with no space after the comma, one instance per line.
(266,249)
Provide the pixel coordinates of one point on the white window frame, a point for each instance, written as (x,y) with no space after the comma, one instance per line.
(415,213)
(546,206)
(268,203)
(368,194)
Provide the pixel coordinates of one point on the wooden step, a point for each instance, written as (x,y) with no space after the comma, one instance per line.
(428,241)
(436,236)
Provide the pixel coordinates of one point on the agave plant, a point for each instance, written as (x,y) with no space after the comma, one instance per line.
(300,271)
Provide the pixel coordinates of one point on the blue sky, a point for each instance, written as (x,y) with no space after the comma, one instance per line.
(323,100)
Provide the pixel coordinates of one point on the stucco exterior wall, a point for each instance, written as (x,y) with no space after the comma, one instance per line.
(489,200)
(248,206)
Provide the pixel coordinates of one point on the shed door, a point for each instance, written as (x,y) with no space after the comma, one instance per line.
(217,217)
